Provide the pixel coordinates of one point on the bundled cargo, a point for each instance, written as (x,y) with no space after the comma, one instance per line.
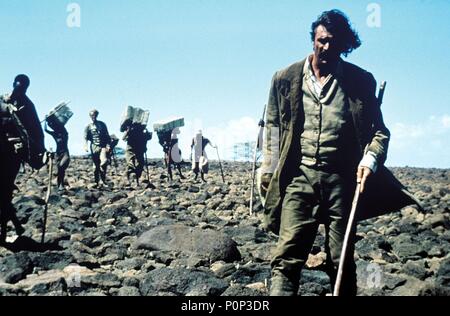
(62,113)
(132,116)
(168,124)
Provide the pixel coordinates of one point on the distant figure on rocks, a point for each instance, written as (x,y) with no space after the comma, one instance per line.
(97,134)
(21,139)
(200,162)
(59,133)
(136,136)
(172,154)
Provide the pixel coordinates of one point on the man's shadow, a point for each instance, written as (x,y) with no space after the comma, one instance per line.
(24,243)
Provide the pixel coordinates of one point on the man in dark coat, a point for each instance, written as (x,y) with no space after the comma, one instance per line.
(21,140)
(324,134)
(136,136)
(97,134)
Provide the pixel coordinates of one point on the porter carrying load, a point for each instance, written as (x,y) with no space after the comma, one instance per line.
(168,125)
(134,123)
(167,131)
(134,116)
(62,113)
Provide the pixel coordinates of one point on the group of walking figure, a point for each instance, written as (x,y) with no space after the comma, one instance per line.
(101,145)
(22,142)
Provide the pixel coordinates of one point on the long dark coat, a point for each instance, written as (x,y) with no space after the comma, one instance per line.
(384,193)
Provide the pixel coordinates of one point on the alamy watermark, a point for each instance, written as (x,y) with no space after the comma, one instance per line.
(374,17)
(74,15)
(373,276)
(73,276)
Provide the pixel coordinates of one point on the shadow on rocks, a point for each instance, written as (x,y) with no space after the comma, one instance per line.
(28,244)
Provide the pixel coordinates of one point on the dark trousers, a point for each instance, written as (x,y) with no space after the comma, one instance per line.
(9,167)
(135,162)
(169,162)
(315,196)
(63,161)
(100,159)
(198,170)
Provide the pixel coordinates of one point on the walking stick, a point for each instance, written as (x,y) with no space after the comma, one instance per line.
(114,159)
(149,185)
(220,164)
(351,220)
(348,231)
(252,189)
(47,198)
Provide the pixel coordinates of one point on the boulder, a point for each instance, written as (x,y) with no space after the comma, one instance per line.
(129,291)
(238,290)
(409,250)
(443,274)
(51,260)
(15,267)
(181,281)
(207,243)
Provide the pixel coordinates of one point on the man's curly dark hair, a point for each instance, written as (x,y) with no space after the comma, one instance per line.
(337,23)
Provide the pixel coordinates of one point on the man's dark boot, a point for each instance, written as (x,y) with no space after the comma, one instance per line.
(103,180)
(61,188)
(17,225)
(180,173)
(281,286)
(130,179)
(3,226)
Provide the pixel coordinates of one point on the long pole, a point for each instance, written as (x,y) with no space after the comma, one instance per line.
(350,223)
(47,198)
(252,188)
(220,165)
(351,220)
(114,159)
(149,184)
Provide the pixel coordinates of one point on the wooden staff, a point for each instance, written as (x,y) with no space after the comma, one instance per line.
(220,164)
(252,188)
(47,198)
(351,220)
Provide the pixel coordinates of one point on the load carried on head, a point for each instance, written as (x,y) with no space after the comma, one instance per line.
(168,124)
(60,114)
(134,116)
(164,129)
(167,131)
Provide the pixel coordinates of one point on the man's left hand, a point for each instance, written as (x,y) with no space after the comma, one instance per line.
(361,177)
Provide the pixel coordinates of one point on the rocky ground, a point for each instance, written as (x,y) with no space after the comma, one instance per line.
(189,238)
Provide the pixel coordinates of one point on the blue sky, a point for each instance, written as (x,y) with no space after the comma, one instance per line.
(212,61)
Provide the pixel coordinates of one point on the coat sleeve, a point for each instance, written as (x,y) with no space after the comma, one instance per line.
(149,135)
(380,135)
(107,136)
(31,122)
(87,136)
(271,139)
